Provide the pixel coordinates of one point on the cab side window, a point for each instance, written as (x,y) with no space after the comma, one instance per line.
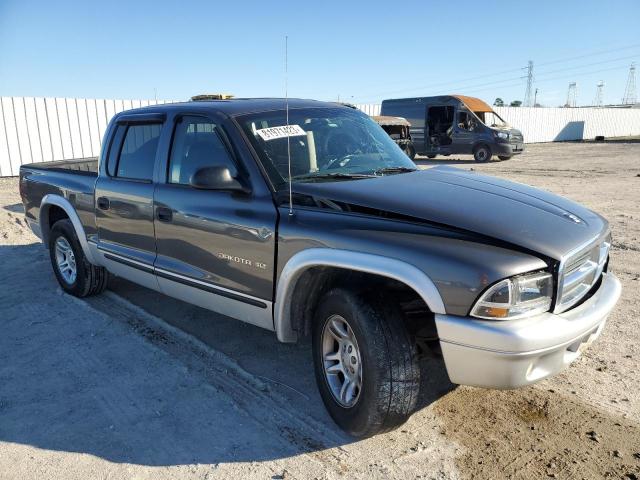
(138,153)
(466,121)
(196,144)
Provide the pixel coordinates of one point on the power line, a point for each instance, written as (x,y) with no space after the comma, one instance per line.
(449,83)
(592,54)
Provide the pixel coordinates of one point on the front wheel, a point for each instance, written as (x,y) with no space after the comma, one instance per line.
(482,153)
(431,156)
(504,157)
(365,362)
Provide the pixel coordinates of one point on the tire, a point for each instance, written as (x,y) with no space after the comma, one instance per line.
(505,157)
(64,246)
(410,151)
(431,156)
(482,153)
(388,362)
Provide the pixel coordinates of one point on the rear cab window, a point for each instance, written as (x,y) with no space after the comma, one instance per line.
(133,152)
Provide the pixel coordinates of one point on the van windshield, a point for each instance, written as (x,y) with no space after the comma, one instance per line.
(325,144)
(492,119)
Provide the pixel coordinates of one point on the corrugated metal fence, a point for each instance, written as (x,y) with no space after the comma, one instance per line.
(561,124)
(45,129)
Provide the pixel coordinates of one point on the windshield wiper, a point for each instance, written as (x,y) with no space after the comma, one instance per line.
(340,175)
(385,170)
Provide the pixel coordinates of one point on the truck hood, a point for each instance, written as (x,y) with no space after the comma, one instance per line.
(510,212)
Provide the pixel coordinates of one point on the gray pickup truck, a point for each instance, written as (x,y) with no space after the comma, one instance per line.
(310,221)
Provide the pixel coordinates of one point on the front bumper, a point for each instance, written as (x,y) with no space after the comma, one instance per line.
(514,353)
(507,149)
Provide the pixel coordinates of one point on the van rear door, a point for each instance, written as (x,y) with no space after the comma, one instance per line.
(413,110)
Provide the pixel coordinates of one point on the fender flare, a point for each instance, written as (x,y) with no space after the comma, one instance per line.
(63,203)
(349,260)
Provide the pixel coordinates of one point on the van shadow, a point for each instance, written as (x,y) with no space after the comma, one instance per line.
(96,377)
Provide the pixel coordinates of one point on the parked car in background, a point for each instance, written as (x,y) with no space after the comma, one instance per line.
(456,124)
(398,129)
(310,221)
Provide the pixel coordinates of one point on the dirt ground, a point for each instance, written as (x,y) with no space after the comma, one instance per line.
(132,384)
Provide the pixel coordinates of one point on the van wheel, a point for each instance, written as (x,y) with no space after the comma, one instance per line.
(482,153)
(410,151)
(505,157)
(431,156)
(73,271)
(365,362)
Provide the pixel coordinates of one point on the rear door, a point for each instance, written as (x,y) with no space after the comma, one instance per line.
(124,198)
(215,249)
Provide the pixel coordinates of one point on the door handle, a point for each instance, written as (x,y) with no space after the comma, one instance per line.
(103,203)
(164,214)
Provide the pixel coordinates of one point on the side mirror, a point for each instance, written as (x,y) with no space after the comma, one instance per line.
(216,178)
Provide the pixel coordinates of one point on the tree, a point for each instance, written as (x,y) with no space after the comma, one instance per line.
(515,103)
(498,102)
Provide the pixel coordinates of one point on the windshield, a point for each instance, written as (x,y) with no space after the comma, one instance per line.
(491,119)
(326,144)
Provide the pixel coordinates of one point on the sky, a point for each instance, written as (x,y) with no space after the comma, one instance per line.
(352,51)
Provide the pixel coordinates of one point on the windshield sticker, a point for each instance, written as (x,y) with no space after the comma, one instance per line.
(285,131)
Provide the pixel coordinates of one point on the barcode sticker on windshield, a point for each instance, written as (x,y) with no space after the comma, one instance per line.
(285,131)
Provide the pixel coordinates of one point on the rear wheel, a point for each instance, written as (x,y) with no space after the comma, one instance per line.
(73,271)
(482,153)
(505,157)
(365,362)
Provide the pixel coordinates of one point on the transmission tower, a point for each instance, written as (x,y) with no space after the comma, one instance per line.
(527,94)
(630,90)
(597,102)
(572,95)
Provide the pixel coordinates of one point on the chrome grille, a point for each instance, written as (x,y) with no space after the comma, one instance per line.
(516,138)
(580,271)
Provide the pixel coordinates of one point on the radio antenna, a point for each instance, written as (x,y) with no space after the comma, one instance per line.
(286,108)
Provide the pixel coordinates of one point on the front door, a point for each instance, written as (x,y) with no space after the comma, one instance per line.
(465,132)
(215,248)
(124,202)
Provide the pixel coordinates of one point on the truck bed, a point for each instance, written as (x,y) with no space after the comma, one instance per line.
(83,166)
(72,179)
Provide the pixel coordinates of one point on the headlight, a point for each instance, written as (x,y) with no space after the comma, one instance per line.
(516,297)
(502,135)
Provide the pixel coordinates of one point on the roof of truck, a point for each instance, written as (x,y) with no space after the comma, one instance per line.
(239,106)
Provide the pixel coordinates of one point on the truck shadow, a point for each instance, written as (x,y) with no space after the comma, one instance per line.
(97,376)
(16,208)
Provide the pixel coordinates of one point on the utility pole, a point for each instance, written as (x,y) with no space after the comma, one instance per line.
(527,94)
(572,95)
(630,90)
(597,102)
(535,98)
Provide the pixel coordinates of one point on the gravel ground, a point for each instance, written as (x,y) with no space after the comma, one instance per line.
(132,384)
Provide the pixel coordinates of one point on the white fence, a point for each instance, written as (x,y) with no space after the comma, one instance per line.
(45,129)
(540,125)
(560,124)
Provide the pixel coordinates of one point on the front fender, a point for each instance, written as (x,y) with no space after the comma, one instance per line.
(349,260)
